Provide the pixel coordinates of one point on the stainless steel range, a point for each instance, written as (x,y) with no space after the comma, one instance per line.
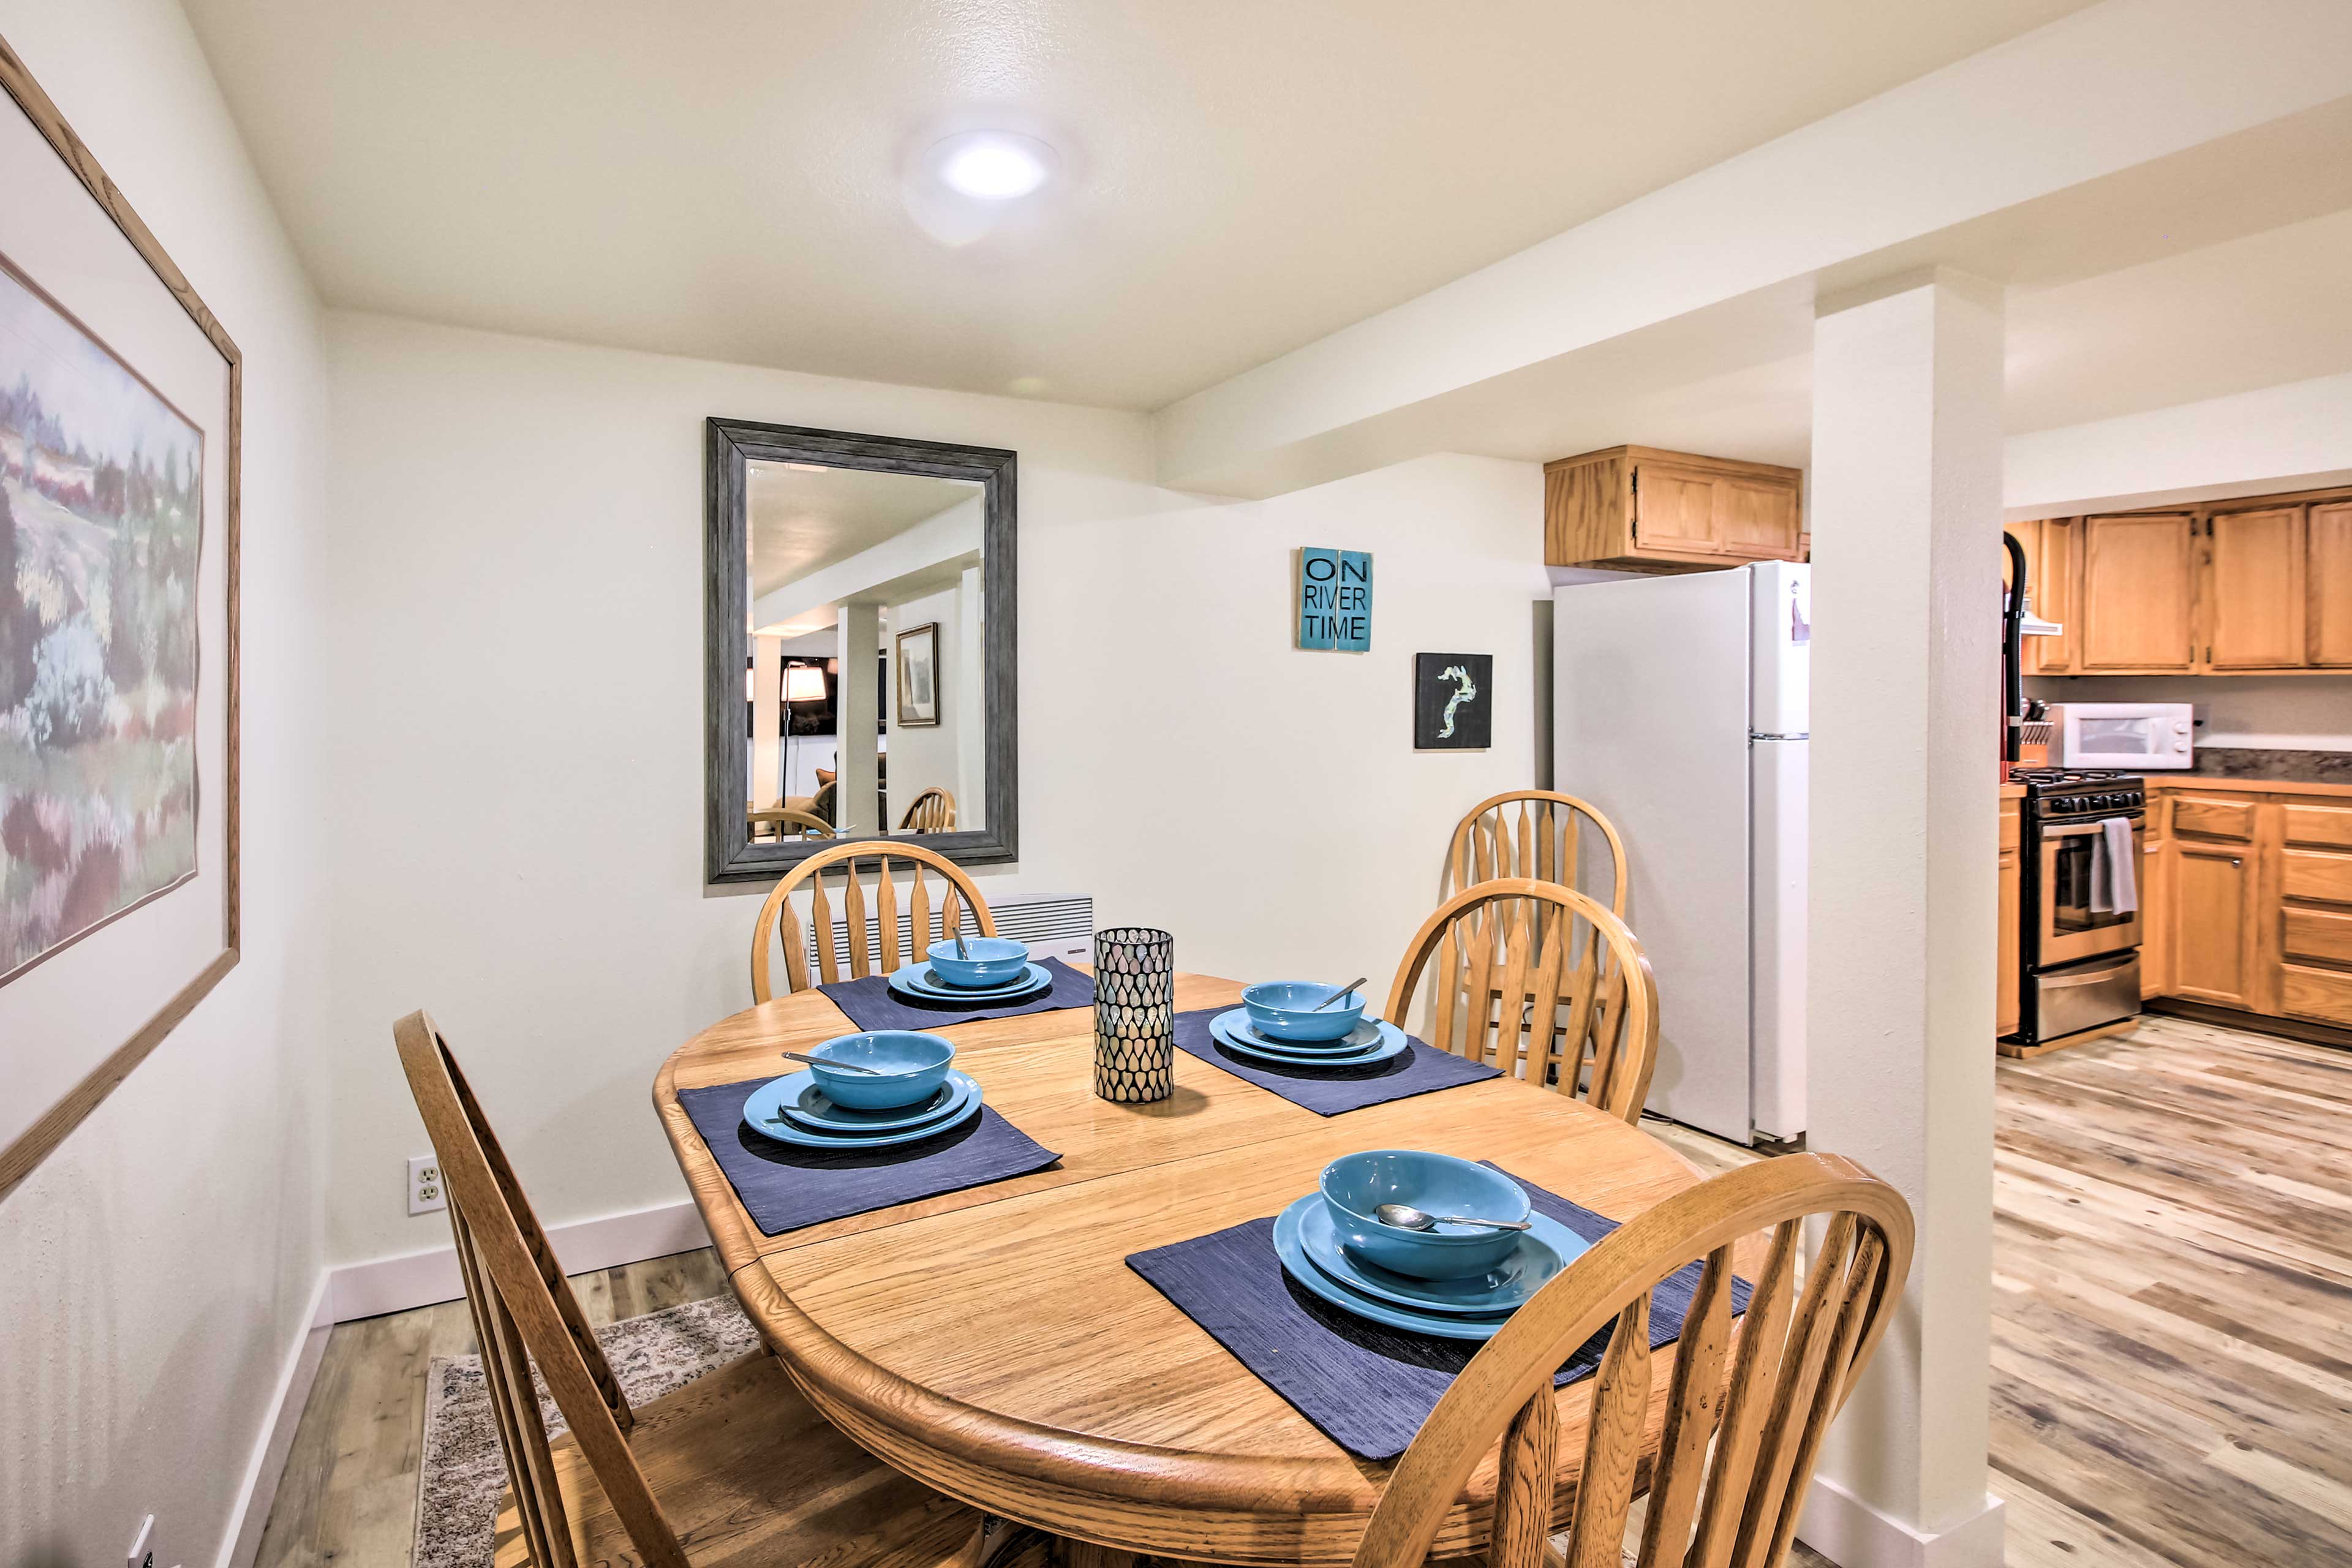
(2079,948)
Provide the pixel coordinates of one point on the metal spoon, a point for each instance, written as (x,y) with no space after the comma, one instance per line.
(1404,1217)
(836,1066)
(961,951)
(1347,989)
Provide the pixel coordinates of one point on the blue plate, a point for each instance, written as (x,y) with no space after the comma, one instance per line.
(1230,1030)
(917,981)
(765,1121)
(801,1101)
(1361,1038)
(1541,1253)
(1301,1268)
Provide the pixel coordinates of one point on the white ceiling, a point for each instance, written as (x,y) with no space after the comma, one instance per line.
(803,519)
(721,177)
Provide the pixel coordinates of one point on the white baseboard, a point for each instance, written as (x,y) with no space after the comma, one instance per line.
(242,1541)
(1853,1534)
(422,1278)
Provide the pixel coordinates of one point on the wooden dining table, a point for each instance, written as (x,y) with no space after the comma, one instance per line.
(994,1344)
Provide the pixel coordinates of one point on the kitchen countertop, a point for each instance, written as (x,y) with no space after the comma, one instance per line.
(2224,784)
(2252,765)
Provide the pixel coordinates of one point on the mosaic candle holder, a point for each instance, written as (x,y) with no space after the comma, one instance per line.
(1135,1014)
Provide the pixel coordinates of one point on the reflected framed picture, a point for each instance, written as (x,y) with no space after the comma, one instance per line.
(120,407)
(918,677)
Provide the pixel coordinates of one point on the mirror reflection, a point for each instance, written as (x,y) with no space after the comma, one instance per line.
(862,684)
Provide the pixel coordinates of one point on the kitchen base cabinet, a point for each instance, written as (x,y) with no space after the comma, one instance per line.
(2006,1005)
(2250,906)
(2213,924)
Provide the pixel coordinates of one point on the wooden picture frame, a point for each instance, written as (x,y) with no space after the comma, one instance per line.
(728,447)
(918,704)
(35,1141)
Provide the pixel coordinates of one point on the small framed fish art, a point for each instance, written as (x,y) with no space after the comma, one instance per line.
(1452,702)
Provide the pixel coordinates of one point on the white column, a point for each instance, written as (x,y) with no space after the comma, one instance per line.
(1906,486)
(969,693)
(854,807)
(767,682)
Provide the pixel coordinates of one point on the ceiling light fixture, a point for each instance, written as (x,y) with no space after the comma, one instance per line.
(993,166)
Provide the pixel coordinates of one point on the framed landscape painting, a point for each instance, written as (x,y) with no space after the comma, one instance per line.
(119,403)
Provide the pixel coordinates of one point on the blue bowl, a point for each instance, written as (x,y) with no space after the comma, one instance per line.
(916,1064)
(1355,1185)
(1280,1009)
(995,960)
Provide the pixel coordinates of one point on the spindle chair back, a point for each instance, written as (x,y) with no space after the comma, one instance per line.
(1745,1405)
(847,865)
(1541,982)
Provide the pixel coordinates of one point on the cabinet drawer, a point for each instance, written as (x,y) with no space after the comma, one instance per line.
(2320,934)
(2315,874)
(2212,817)
(2011,828)
(2319,994)
(2328,824)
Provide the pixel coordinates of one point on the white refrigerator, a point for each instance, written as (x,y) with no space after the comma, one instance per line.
(1681,714)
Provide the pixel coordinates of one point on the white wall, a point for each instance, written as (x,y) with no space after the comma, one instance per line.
(2288,712)
(156,1270)
(495,495)
(926,756)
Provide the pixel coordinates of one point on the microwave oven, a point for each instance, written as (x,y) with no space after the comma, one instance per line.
(2133,736)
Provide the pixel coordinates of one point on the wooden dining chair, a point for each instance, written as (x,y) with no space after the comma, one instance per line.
(1543,983)
(734,1469)
(1744,1409)
(779,922)
(789,822)
(933,811)
(1533,833)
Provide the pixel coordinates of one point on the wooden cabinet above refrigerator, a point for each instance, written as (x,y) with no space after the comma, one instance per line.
(1641,509)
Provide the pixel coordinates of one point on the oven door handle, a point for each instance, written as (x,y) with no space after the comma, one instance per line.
(2077,829)
(2050,981)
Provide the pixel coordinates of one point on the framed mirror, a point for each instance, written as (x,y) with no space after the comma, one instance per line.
(859,613)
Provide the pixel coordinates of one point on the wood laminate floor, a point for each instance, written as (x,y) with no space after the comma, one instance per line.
(2172,1320)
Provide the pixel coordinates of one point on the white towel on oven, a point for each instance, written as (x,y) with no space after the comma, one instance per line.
(2114,874)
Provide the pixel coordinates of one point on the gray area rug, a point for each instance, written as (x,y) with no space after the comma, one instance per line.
(463,1470)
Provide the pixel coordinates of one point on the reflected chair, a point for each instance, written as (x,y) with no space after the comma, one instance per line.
(734,1469)
(787,822)
(1537,834)
(878,951)
(1567,992)
(933,811)
(1744,1411)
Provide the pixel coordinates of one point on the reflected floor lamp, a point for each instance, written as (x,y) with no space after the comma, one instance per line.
(803,683)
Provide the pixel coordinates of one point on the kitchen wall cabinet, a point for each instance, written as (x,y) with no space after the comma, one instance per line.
(2253,594)
(2252,900)
(1640,509)
(2241,587)
(2327,544)
(2006,1002)
(2138,596)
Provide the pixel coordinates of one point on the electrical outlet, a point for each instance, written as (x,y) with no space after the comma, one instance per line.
(426,1193)
(142,1545)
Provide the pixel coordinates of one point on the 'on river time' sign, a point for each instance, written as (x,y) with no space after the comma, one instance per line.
(1334,599)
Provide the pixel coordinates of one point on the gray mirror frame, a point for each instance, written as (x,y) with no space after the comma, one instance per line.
(728,854)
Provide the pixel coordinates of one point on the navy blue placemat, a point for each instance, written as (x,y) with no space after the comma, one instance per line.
(1368,1388)
(784,1186)
(1329,1091)
(872,1004)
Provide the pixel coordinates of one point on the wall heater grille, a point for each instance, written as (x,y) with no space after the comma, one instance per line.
(1054,925)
